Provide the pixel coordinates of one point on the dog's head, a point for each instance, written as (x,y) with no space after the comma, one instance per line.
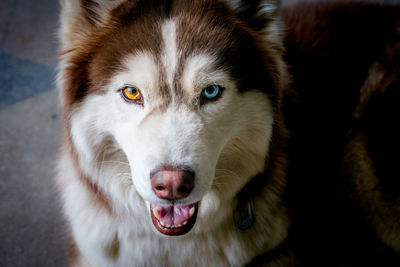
(188,90)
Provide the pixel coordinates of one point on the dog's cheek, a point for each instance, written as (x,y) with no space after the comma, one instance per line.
(244,155)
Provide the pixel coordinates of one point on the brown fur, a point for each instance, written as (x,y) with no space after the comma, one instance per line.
(372,152)
(112,250)
(341,56)
(98,197)
(74,254)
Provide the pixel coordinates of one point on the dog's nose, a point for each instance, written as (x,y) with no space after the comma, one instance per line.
(172,183)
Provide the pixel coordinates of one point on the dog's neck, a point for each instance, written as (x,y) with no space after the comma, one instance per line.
(244,214)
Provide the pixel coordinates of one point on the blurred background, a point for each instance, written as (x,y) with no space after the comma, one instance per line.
(31,225)
(32,231)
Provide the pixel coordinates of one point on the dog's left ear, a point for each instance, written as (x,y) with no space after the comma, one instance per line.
(79,18)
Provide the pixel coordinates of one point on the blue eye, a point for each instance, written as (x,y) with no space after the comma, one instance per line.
(212,92)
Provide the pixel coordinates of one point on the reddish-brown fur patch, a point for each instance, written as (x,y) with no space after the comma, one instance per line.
(73,251)
(97,194)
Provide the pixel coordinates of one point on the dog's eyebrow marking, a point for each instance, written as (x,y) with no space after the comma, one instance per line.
(195,71)
(140,70)
(170,55)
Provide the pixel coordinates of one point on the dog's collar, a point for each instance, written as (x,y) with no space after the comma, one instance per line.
(244,214)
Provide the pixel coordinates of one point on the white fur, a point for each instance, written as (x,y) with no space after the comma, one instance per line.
(267,7)
(170,55)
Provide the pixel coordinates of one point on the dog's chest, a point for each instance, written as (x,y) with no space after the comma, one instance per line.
(130,248)
(221,249)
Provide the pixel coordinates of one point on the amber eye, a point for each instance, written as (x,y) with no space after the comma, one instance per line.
(132,95)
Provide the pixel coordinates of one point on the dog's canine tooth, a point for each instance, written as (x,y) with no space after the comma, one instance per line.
(156,214)
(191,211)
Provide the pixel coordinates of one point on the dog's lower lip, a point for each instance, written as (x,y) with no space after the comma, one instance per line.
(174,229)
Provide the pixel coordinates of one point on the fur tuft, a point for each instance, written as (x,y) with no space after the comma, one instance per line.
(80,17)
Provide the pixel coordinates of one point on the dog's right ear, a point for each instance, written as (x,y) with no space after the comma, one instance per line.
(262,16)
(81,17)
(257,14)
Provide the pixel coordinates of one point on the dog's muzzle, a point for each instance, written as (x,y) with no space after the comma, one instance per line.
(173,183)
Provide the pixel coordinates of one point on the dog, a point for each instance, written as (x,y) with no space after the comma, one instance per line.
(187,142)
(174,145)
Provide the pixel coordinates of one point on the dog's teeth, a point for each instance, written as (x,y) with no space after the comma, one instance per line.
(156,214)
(168,226)
(191,211)
(185,223)
(179,225)
(162,223)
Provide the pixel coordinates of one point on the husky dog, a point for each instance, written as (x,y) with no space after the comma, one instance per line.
(174,145)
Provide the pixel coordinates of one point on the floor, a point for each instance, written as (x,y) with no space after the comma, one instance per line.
(31,224)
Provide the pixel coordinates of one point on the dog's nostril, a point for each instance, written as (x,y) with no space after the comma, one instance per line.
(160,188)
(184,189)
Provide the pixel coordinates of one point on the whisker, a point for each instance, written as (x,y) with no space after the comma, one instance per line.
(114,161)
(228,171)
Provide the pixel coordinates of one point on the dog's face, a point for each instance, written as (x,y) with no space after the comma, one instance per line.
(184,89)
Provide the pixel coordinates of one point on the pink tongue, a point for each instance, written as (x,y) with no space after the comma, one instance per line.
(173,215)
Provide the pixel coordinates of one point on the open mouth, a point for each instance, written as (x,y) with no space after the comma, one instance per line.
(174,219)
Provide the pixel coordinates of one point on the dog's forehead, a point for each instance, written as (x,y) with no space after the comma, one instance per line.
(170,38)
(199,25)
(175,33)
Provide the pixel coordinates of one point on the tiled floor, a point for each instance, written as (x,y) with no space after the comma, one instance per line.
(31,225)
